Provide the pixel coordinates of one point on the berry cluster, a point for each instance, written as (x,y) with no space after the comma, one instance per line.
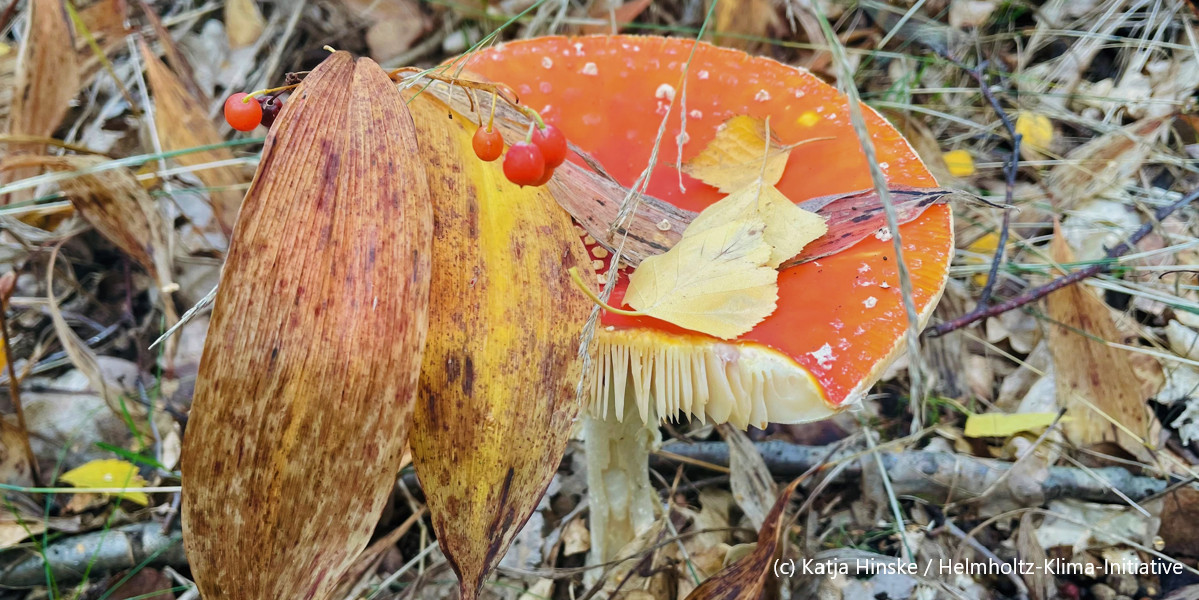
(244,115)
(529,162)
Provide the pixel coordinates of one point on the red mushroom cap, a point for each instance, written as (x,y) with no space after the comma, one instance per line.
(840,319)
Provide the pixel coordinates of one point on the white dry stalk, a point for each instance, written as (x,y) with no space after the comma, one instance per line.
(915,370)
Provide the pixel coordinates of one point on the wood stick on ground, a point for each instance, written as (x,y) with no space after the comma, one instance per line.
(937,476)
(97,553)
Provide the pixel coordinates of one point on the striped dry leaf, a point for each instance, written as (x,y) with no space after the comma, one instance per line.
(305,390)
(47,76)
(46,79)
(182,122)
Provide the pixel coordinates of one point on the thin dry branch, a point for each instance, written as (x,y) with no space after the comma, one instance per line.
(1039,292)
(938,476)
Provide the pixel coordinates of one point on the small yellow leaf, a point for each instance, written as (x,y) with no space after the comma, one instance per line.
(733,160)
(1004,425)
(788,227)
(985,247)
(959,162)
(715,281)
(109,473)
(1035,129)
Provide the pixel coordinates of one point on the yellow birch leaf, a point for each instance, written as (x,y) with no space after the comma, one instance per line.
(715,281)
(788,227)
(733,160)
(1005,425)
(985,247)
(1035,129)
(108,473)
(959,162)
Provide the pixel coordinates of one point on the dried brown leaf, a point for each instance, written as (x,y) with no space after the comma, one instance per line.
(47,75)
(1092,376)
(182,122)
(79,353)
(746,577)
(46,79)
(305,390)
(179,65)
(753,487)
(1180,522)
(143,584)
(243,22)
(117,205)
(105,22)
(1104,164)
(497,389)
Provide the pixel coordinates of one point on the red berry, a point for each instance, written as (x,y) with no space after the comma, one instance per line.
(545,177)
(489,145)
(524,165)
(242,116)
(271,105)
(552,143)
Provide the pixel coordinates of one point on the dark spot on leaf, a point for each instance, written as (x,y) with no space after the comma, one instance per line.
(468,376)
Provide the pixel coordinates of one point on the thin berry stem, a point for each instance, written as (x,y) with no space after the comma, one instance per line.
(587,291)
(491,119)
(276,90)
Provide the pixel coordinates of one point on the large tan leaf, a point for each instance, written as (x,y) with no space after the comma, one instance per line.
(788,227)
(1096,383)
(716,281)
(497,390)
(306,384)
(182,122)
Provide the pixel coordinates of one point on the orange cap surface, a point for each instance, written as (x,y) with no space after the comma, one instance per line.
(840,318)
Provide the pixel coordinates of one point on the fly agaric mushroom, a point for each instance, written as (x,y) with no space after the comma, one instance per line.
(840,319)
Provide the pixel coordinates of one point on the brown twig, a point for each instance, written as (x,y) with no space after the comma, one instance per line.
(1040,292)
(7,283)
(1009,169)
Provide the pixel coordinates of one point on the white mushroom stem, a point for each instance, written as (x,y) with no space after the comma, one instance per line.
(643,376)
(621,499)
